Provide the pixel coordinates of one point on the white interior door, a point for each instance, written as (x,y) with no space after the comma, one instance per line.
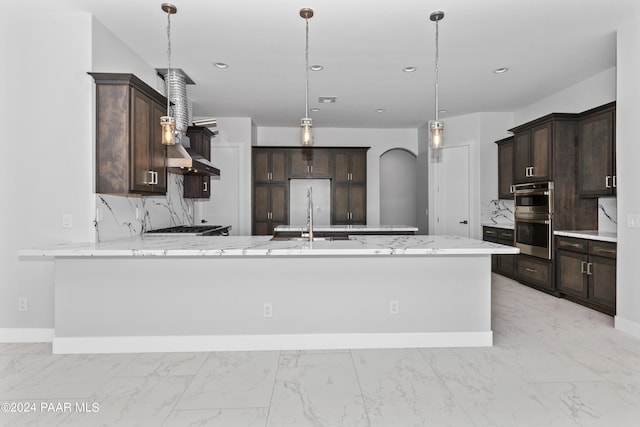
(452,191)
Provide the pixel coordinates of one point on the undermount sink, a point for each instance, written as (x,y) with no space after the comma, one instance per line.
(315,239)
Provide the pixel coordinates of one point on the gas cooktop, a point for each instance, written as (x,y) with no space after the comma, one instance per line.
(193,230)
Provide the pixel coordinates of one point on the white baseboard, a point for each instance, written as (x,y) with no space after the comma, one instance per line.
(24,335)
(627,326)
(162,344)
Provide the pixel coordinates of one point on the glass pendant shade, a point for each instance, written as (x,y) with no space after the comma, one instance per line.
(306,137)
(168,124)
(436,133)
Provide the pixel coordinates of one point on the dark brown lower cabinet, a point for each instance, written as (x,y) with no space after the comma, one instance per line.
(535,272)
(270,204)
(586,272)
(501,264)
(349,204)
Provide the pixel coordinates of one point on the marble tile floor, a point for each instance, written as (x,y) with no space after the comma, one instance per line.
(554,363)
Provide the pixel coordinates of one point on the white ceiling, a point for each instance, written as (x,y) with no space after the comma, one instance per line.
(363,45)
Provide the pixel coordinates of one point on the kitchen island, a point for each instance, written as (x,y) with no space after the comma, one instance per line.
(158,293)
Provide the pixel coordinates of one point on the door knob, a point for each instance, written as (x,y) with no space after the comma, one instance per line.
(464,222)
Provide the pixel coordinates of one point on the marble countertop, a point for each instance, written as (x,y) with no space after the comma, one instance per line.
(214,246)
(505,225)
(347,228)
(605,236)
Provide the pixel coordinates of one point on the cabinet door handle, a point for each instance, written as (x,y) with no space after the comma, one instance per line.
(607,181)
(531,270)
(615,181)
(512,189)
(154,177)
(583,266)
(589,267)
(532,173)
(205,186)
(574,245)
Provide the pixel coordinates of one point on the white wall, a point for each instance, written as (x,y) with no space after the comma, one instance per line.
(479,131)
(380,141)
(422,180)
(592,92)
(231,153)
(398,187)
(46,171)
(627,155)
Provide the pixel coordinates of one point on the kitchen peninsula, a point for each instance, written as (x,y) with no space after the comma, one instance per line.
(158,293)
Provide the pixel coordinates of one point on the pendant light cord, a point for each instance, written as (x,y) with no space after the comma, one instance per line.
(437,56)
(306,55)
(168,85)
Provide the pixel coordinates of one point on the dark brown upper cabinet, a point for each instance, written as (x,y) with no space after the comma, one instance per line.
(350,165)
(310,163)
(505,168)
(596,152)
(130,157)
(198,186)
(269,165)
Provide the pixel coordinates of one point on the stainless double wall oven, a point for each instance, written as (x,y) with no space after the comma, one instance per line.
(534,219)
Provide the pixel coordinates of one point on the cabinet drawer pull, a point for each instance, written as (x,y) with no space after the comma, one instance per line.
(531,270)
(489,232)
(583,266)
(573,245)
(607,251)
(589,267)
(607,181)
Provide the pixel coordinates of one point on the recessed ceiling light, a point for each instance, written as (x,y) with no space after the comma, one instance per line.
(220,65)
(316,67)
(409,69)
(380,110)
(327,99)
(500,70)
(315,110)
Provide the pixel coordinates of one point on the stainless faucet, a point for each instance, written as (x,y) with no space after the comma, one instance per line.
(309,233)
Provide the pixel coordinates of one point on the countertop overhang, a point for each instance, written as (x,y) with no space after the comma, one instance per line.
(603,236)
(259,246)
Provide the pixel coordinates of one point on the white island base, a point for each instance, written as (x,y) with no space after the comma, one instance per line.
(325,295)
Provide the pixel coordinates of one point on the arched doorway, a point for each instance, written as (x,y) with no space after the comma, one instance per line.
(398,187)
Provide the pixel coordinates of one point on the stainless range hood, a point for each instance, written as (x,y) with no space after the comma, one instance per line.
(181,159)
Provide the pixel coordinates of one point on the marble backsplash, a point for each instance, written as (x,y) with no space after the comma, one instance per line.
(501,212)
(607,214)
(497,212)
(126,216)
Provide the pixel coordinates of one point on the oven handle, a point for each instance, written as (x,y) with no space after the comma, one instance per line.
(533,221)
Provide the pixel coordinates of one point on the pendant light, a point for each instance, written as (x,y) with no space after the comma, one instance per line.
(168,122)
(306,138)
(436,127)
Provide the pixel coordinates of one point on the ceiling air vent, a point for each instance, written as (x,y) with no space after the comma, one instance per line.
(327,99)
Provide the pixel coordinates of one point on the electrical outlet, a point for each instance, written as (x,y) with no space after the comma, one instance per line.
(67,221)
(394,306)
(23,304)
(267,309)
(633,221)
